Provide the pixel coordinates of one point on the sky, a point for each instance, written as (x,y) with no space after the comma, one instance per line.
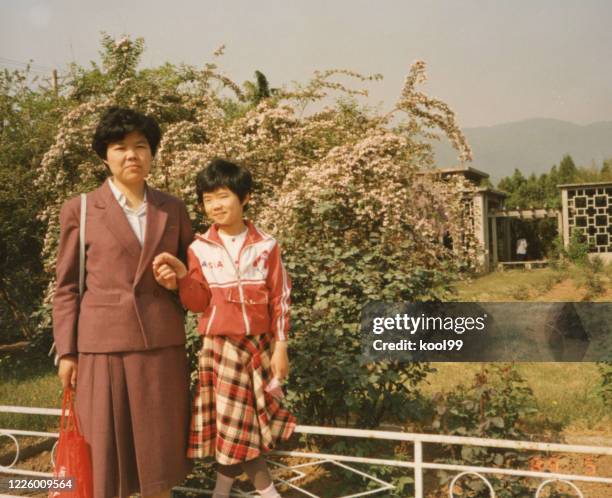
(491,61)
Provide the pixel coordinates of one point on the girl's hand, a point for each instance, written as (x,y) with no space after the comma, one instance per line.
(165,276)
(167,270)
(279,363)
(67,371)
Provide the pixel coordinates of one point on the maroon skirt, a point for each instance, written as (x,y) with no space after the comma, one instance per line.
(233,418)
(133,409)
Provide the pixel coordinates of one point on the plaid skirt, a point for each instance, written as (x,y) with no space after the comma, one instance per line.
(233,418)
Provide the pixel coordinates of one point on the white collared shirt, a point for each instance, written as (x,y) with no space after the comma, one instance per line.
(137,218)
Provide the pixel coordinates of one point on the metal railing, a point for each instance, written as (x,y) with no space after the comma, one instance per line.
(417,464)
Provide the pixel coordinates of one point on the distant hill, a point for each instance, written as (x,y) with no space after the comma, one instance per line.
(532,146)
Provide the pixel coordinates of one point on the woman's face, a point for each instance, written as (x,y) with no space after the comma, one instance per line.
(129,159)
(224,207)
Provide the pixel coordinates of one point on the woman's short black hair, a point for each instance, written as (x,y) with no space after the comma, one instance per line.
(222,173)
(117,122)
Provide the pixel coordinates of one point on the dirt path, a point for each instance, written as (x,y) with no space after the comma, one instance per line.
(566,290)
(569,290)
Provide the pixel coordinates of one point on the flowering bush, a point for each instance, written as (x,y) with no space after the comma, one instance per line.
(346,191)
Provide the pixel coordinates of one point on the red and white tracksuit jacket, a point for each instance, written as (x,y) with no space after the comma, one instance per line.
(247,297)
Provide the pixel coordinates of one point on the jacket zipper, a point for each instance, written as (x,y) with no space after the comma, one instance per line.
(240,290)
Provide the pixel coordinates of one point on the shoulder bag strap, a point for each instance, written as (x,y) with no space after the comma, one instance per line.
(82,244)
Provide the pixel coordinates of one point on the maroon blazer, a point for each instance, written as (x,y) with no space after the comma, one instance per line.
(123,308)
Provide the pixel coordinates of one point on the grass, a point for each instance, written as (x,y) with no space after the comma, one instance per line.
(536,285)
(566,393)
(29,380)
(503,286)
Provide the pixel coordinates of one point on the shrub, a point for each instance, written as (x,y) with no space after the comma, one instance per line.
(28,125)
(492,407)
(605,387)
(596,264)
(578,249)
(349,196)
(520,293)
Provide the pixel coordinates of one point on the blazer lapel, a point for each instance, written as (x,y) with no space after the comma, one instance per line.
(156,225)
(115,220)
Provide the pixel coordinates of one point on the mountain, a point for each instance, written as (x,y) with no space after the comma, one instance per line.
(532,146)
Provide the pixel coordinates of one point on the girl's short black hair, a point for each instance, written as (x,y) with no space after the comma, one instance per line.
(222,173)
(117,122)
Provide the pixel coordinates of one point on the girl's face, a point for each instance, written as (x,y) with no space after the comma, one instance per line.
(129,159)
(223,207)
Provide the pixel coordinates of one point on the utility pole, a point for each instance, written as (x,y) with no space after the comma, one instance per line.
(54,80)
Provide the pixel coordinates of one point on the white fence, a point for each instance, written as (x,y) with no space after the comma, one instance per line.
(418,465)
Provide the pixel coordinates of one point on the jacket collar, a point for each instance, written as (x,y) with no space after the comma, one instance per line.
(105,197)
(114,218)
(212,234)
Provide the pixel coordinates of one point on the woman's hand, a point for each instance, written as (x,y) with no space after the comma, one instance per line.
(279,363)
(67,371)
(167,269)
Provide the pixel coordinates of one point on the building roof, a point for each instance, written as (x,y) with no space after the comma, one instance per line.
(493,191)
(592,184)
(467,171)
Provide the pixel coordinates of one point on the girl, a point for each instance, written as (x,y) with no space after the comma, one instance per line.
(237,280)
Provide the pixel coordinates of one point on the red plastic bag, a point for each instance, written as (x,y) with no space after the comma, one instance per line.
(73,459)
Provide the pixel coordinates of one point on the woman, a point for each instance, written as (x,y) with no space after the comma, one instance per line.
(122,344)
